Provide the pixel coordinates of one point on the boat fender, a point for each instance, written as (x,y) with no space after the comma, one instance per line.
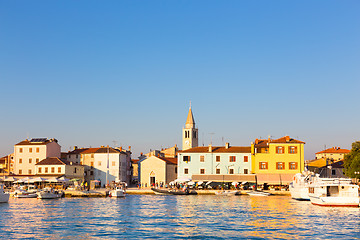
(109,194)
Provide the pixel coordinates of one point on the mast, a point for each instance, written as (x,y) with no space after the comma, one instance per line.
(107,166)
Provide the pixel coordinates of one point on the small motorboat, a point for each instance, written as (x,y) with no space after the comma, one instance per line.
(119,191)
(258,193)
(4,197)
(23,194)
(226,192)
(49,194)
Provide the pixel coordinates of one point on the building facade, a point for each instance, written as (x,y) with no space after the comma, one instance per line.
(157,170)
(57,167)
(28,153)
(106,164)
(334,153)
(275,161)
(214,161)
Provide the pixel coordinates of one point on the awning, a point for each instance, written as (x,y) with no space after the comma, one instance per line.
(224,178)
(274,178)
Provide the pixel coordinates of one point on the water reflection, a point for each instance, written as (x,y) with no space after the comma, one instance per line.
(175,217)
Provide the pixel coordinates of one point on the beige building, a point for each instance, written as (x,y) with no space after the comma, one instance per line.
(57,167)
(159,170)
(28,153)
(334,153)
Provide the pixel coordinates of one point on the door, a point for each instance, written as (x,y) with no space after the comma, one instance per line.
(152,181)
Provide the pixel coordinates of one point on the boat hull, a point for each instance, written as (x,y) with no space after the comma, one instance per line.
(226,193)
(258,193)
(172,192)
(117,193)
(48,195)
(335,201)
(300,193)
(25,195)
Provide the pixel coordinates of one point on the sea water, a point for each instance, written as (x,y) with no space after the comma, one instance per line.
(176,217)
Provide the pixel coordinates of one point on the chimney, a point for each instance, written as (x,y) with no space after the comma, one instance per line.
(210,148)
(256,141)
(120,149)
(129,148)
(287,138)
(227,145)
(75,147)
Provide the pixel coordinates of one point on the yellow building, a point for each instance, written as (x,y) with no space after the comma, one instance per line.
(275,161)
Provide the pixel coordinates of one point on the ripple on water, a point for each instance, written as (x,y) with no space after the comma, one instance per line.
(175,217)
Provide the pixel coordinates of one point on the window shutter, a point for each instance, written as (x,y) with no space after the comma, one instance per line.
(295,149)
(266,164)
(259,165)
(296,165)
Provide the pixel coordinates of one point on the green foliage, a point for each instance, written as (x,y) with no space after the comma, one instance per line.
(352,161)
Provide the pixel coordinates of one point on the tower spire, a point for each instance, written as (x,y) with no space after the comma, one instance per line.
(190,122)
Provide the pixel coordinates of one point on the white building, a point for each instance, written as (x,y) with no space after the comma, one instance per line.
(28,153)
(217,164)
(106,164)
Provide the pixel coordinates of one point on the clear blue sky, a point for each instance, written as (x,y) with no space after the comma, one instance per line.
(92,72)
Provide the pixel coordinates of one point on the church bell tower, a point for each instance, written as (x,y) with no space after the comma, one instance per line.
(190,137)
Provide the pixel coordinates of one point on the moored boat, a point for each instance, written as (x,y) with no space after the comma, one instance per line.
(159,191)
(23,194)
(299,187)
(49,194)
(4,197)
(334,192)
(117,192)
(226,192)
(258,193)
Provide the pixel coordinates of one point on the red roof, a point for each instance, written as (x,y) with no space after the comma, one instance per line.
(286,139)
(54,161)
(169,160)
(334,150)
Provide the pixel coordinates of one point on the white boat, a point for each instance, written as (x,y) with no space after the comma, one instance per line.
(49,194)
(117,192)
(4,197)
(226,192)
(258,193)
(23,194)
(334,192)
(299,187)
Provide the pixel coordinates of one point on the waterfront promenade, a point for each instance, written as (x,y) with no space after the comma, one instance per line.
(102,192)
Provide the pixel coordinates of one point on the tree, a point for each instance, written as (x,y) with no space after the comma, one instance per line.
(352,161)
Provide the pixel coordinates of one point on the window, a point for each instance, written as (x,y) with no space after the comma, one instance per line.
(280,165)
(37,160)
(232,158)
(293,165)
(186,158)
(29,171)
(37,150)
(333,172)
(263,165)
(218,158)
(39,170)
(74,170)
(91,164)
(292,149)
(20,160)
(30,150)
(92,155)
(91,173)
(246,171)
(52,170)
(202,158)
(113,163)
(20,150)
(77,156)
(246,159)
(231,171)
(59,169)
(218,171)
(279,150)
(46,170)
(99,163)
(20,171)
(186,171)
(202,171)
(30,160)
(175,169)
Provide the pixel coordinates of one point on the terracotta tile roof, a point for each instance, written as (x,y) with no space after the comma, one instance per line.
(77,151)
(54,161)
(334,150)
(135,161)
(231,149)
(101,150)
(169,160)
(264,142)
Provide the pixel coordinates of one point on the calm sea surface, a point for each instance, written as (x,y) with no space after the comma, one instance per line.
(176,217)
